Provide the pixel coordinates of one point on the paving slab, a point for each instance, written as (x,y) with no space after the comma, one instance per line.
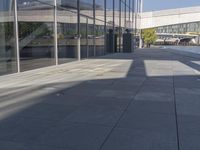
(95,114)
(152,121)
(6,145)
(130,139)
(75,136)
(146,100)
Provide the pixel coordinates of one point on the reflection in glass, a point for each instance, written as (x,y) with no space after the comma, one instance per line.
(100,27)
(8,62)
(91,51)
(128,17)
(123,15)
(36,34)
(132,14)
(109,26)
(99,10)
(69,4)
(84,40)
(99,38)
(86,7)
(109,11)
(67,35)
(36,31)
(118,34)
(109,38)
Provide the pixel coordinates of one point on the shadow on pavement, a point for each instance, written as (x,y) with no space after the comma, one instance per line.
(155,106)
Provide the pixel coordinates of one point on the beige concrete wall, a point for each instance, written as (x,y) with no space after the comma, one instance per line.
(169,17)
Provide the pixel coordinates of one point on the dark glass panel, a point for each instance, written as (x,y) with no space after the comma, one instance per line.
(109,26)
(109,38)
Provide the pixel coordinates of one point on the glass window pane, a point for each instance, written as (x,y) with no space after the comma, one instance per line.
(100,9)
(67,35)
(8,63)
(99,38)
(109,38)
(36,34)
(91,45)
(84,40)
(109,11)
(68,4)
(117,23)
(86,7)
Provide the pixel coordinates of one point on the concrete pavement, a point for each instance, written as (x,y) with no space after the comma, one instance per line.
(147,100)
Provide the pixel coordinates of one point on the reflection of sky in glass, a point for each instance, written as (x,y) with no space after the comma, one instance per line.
(109,4)
(99,4)
(86,4)
(5,5)
(117,4)
(32,1)
(68,3)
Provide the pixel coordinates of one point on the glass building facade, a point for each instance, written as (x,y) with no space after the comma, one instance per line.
(40,33)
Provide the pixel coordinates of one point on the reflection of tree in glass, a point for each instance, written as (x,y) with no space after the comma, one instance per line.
(99,30)
(69,32)
(7,29)
(36,29)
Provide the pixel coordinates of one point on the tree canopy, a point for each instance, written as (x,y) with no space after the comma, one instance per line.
(149,36)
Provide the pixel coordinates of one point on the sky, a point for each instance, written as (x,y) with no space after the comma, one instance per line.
(152,5)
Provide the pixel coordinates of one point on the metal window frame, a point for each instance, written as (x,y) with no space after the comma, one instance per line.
(105,28)
(120,25)
(17,36)
(125,15)
(94,25)
(87,41)
(55,33)
(113,27)
(78,32)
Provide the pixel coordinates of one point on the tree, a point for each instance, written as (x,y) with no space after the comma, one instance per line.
(149,36)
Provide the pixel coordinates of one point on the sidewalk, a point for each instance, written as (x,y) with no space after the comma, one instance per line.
(148,100)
